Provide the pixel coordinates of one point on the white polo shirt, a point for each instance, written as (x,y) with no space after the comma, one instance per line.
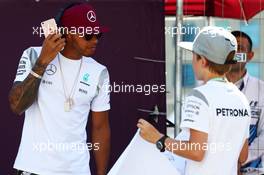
(219,109)
(54,141)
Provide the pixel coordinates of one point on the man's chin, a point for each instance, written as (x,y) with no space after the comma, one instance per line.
(89,54)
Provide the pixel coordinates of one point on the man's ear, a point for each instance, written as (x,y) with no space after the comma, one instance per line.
(250,56)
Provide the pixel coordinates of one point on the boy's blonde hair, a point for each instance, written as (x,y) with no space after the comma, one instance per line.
(220,69)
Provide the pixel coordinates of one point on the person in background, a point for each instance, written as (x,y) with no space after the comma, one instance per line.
(253,89)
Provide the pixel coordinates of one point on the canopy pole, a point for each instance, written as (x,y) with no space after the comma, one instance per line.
(208,21)
(243,12)
(178,69)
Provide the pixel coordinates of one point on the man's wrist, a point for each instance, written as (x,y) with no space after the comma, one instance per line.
(42,61)
(35,74)
(39,68)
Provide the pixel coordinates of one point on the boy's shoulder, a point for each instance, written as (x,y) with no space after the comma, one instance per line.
(197,94)
(211,92)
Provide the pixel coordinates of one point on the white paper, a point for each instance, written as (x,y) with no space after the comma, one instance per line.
(142,158)
(177,161)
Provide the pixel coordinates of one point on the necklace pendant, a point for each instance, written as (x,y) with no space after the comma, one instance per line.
(68,105)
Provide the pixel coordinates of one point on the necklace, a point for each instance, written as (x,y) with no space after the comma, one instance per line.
(69,102)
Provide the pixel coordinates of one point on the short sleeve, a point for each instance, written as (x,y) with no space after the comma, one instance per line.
(101,102)
(26,63)
(24,67)
(195,112)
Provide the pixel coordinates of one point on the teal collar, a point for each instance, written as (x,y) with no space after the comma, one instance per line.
(220,79)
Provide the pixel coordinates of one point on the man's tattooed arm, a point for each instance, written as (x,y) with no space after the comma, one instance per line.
(23,94)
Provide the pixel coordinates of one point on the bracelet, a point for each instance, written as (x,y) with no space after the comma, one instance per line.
(35,74)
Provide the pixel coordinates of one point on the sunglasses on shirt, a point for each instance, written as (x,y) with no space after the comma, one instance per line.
(88,37)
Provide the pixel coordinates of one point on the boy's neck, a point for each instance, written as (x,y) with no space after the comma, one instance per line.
(210,76)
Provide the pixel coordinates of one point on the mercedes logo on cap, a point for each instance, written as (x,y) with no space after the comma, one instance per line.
(51,69)
(91,16)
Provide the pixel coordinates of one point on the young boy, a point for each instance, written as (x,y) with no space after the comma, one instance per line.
(211,113)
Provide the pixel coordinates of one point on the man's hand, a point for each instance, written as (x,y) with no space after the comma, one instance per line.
(52,45)
(23,94)
(148,132)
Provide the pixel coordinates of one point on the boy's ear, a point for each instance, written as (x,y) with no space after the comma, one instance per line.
(204,61)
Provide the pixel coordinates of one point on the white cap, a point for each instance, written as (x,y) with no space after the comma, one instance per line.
(214,43)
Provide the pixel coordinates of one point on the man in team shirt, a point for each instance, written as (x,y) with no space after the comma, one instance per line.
(211,113)
(57,85)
